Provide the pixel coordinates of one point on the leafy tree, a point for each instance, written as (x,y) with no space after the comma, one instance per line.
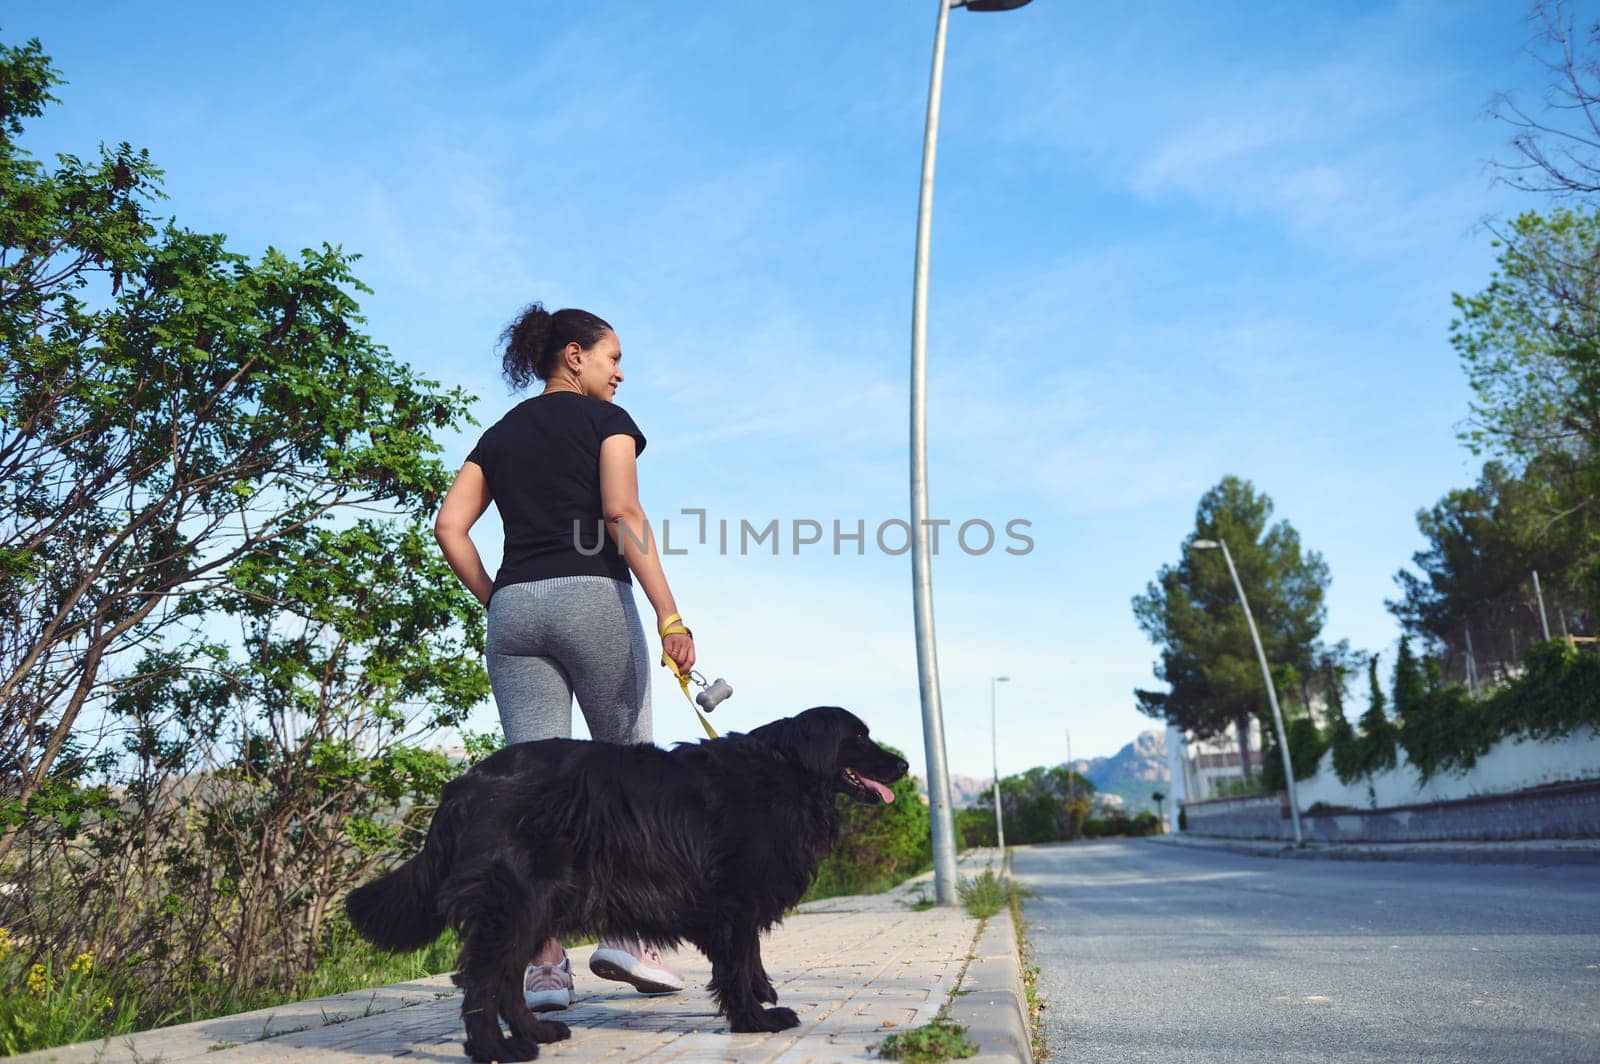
(1530,344)
(1040,805)
(1483,544)
(226,630)
(1191,611)
(167,408)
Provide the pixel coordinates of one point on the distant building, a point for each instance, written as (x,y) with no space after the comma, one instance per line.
(1109,803)
(1207,763)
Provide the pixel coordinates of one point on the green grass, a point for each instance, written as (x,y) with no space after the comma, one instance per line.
(939,1040)
(353,964)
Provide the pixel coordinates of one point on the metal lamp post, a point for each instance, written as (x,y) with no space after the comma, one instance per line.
(1266,676)
(1072,789)
(994,739)
(943,823)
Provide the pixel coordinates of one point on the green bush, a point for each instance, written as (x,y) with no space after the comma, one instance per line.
(879,845)
(1306,747)
(974,827)
(1346,747)
(1557,693)
(1443,728)
(1379,735)
(1118,824)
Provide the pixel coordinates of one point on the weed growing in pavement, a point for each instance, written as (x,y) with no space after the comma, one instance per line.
(1030,973)
(939,1040)
(989,894)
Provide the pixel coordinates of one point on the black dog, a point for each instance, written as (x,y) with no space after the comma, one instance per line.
(708,843)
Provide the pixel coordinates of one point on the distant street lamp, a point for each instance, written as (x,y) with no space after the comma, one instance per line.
(943,822)
(1072,792)
(1266,676)
(994,739)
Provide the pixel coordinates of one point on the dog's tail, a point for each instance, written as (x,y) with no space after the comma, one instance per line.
(399,911)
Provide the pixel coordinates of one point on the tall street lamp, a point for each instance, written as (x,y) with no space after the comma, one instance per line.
(994,740)
(943,823)
(1072,790)
(1266,676)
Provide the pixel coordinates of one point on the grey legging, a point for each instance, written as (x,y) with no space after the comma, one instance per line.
(551,639)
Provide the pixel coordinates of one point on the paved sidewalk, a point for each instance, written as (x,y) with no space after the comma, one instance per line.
(855,969)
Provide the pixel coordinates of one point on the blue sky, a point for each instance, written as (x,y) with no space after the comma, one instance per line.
(1171,242)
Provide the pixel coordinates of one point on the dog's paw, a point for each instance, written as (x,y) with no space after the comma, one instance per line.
(512,1048)
(552,1031)
(764,1020)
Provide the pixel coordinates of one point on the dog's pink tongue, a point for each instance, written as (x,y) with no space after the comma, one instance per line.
(877,788)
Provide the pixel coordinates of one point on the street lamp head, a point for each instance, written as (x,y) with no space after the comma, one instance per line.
(1205,544)
(993,5)
(1002,679)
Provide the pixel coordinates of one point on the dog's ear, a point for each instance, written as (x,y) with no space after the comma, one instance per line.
(812,737)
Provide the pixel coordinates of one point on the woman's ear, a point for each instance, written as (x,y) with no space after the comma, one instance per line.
(572,355)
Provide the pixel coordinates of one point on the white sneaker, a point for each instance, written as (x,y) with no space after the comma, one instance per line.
(635,963)
(546,987)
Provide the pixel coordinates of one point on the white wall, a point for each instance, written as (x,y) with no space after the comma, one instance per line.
(1510,765)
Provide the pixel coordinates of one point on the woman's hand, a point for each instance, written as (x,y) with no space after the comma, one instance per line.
(680,648)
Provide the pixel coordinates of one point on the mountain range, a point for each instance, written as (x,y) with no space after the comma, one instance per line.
(1133,774)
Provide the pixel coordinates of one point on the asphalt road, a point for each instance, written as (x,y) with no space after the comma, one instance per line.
(1154,951)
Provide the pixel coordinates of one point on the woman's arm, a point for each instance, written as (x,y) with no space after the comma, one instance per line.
(463,504)
(625,520)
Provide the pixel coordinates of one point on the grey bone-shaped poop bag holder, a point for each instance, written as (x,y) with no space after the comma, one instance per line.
(713,696)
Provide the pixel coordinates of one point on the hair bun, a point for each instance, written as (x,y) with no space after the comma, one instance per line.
(533,342)
(524,341)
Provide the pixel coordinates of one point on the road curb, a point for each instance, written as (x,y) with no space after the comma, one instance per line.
(1531,852)
(989,1002)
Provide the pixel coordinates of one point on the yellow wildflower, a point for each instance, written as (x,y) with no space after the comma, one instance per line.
(81,963)
(5,942)
(38,980)
(108,1003)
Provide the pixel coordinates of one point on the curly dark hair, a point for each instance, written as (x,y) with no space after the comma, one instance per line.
(533,342)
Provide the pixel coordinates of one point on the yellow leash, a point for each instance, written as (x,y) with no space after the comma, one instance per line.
(674,625)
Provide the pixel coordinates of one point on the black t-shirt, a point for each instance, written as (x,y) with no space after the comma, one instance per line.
(542,462)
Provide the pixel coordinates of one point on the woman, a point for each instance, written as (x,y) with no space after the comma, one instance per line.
(560,467)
